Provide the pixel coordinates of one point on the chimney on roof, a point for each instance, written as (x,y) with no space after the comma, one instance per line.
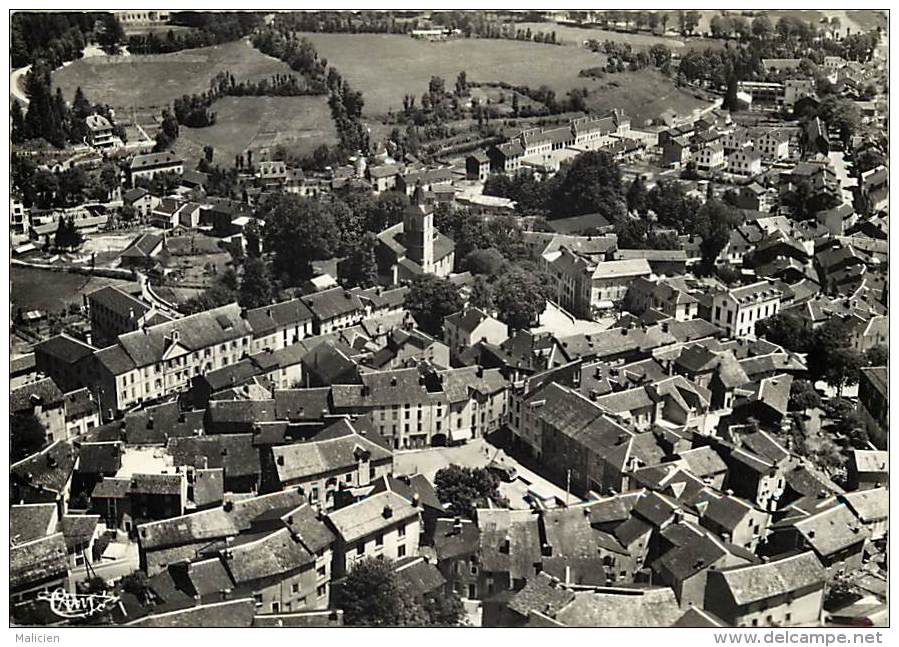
(280,460)
(546,550)
(149,422)
(416,500)
(387,512)
(457,525)
(393,380)
(506,546)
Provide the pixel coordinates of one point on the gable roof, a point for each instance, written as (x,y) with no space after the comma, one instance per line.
(748,584)
(370,515)
(312,458)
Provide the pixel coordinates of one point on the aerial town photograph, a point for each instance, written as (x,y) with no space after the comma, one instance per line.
(448,318)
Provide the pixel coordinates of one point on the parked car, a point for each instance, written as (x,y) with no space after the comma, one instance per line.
(505,473)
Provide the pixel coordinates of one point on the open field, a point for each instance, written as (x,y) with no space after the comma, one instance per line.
(155,80)
(643,95)
(385,67)
(35,289)
(297,123)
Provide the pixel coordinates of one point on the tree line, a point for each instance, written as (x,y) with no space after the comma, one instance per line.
(207,29)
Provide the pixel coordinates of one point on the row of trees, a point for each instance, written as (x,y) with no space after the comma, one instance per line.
(206,29)
(345,103)
(621,56)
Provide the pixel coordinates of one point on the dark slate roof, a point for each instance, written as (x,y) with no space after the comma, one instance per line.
(216,523)
(65,348)
(209,485)
(328,304)
(100,458)
(223,412)
(155,425)
(412,488)
(43,392)
(78,529)
(119,301)
(37,560)
(231,613)
(234,453)
(521,527)
(540,594)
(418,577)
(157,484)
(275,554)
(451,542)
(267,319)
(748,584)
(195,332)
(49,469)
(306,523)
(30,522)
(142,246)
(80,403)
(302,404)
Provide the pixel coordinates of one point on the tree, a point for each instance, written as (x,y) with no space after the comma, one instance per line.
(520,297)
(17,122)
(429,300)
(360,269)
(787,330)
(762,27)
(590,184)
(27,435)
(112,35)
(716,221)
(444,610)
(297,231)
(464,489)
(208,153)
(878,356)
(825,341)
(481,294)
(128,214)
(252,235)
(803,396)
(489,262)
(843,368)
(371,596)
(255,284)
(637,196)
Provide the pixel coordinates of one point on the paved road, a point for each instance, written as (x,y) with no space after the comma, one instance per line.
(17,83)
(150,297)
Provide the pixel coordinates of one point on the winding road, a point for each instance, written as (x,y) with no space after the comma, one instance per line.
(17,84)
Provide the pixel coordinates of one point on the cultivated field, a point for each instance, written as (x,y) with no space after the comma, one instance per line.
(297,123)
(155,80)
(35,289)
